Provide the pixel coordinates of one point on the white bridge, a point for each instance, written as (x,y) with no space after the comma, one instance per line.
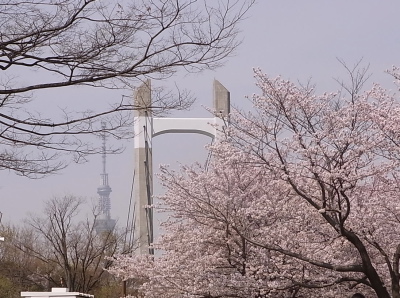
(148,127)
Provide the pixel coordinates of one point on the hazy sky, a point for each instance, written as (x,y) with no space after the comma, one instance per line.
(297,39)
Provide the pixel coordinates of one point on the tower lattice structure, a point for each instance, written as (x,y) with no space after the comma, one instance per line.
(104,222)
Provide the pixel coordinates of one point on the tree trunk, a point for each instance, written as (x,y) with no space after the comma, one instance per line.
(369,270)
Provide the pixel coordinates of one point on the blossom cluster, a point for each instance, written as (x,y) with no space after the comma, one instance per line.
(300,198)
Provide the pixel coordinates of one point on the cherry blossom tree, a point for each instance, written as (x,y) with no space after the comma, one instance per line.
(300,200)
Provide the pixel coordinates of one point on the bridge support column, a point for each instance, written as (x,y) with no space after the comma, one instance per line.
(147,127)
(143,183)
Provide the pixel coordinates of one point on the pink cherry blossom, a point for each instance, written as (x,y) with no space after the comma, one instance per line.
(301,199)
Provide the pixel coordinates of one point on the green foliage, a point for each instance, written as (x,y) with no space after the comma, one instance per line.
(8,288)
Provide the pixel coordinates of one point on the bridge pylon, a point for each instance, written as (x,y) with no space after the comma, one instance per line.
(146,128)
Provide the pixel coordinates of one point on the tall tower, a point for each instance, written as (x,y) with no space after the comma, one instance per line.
(104,223)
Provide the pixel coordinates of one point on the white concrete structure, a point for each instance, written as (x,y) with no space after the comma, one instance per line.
(55,292)
(146,128)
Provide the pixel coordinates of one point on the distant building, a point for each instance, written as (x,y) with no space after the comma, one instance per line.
(103,222)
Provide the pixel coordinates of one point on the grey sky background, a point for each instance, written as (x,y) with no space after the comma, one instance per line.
(298,39)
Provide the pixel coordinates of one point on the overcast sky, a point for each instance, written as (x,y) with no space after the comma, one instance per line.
(298,39)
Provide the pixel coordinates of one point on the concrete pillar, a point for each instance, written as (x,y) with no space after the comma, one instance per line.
(143,184)
(222,108)
(145,129)
(222,104)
